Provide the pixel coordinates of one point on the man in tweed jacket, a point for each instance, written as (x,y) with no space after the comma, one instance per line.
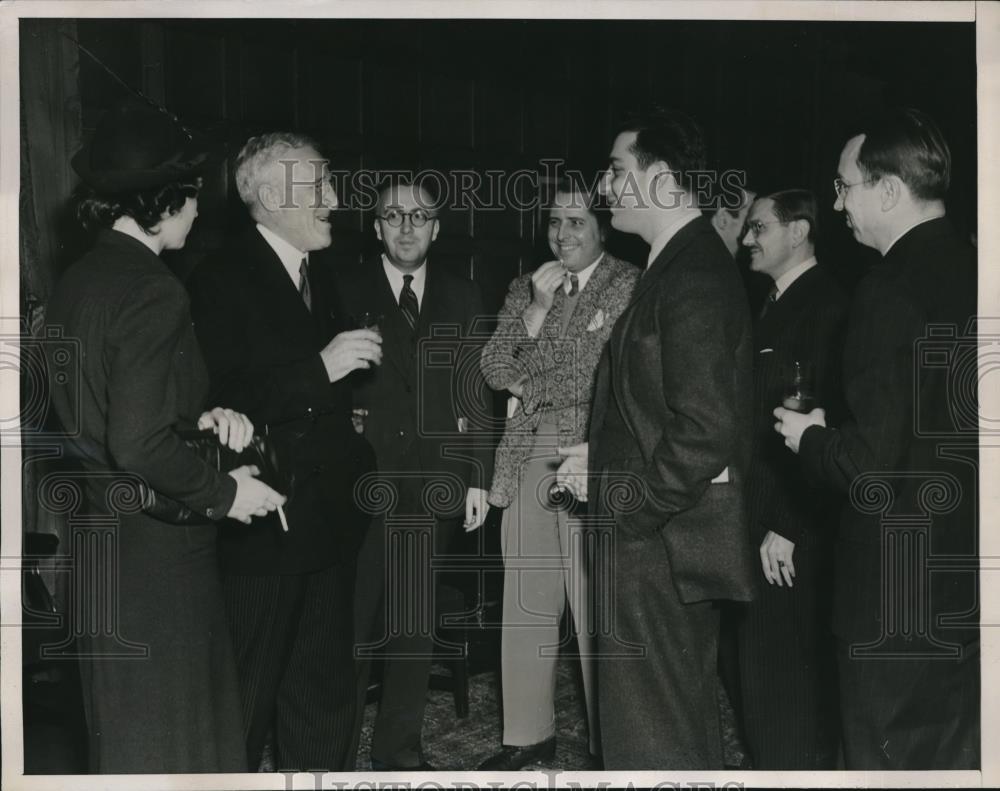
(551,331)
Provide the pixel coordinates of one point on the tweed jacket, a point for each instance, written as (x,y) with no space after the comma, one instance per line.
(559,368)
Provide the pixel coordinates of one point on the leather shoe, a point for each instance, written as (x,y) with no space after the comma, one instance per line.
(510,759)
(423,766)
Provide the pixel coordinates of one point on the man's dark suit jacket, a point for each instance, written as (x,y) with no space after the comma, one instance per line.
(678,365)
(806,324)
(262,348)
(908,657)
(903,408)
(672,409)
(786,652)
(426,382)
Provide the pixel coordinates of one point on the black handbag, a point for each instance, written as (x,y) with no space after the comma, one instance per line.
(260,452)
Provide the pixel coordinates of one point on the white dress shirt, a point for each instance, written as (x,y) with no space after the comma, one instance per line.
(782,283)
(291,257)
(396,280)
(668,233)
(584,274)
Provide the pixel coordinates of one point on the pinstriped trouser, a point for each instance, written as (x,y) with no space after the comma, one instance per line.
(294,639)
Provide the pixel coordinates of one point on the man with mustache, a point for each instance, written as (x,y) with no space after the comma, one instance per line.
(272,331)
(907,633)
(785,647)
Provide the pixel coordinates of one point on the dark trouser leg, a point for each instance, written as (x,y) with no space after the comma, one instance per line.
(317,697)
(262,613)
(910,714)
(789,674)
(407,621)
(658,710)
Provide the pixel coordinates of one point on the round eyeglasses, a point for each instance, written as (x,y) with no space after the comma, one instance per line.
(418,217)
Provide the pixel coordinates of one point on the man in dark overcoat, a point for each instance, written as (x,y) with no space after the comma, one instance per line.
(905,597)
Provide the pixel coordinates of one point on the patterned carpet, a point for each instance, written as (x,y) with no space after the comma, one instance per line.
(461,744)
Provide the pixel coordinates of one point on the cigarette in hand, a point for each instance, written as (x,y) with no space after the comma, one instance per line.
(284,521)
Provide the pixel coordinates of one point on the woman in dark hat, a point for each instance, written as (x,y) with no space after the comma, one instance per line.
(159,679)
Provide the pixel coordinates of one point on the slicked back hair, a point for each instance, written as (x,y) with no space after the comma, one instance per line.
(796,204)
(670,136)
(395,182)
(906,143)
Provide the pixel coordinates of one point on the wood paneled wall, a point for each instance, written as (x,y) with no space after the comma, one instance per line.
(775,99)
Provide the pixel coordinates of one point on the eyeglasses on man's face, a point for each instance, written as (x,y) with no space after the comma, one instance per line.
(418,217)
(841,187)
(754,227)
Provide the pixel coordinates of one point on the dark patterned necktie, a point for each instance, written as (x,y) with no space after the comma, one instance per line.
(574,286)
(772,297)
(408,302)
(304,290)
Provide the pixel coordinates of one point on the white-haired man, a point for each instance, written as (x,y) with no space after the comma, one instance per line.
(270,329)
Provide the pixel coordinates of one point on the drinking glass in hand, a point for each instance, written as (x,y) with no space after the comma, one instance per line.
(369,321)
(800,392)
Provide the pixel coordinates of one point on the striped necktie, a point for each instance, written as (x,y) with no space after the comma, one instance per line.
(408,303)
(304,290)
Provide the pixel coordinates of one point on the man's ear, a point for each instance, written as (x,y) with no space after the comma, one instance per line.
(720,220)
(267,197)
(437,227)
(800,231)
(661,182)
(891,191)
(378,229)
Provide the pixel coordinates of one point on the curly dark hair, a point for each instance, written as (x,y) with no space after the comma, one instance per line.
(146,207)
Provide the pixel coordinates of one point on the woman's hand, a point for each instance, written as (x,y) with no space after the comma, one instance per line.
(253,497)
(233,428)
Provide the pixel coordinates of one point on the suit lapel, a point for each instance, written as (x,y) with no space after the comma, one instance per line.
(395,330)
(584,311)
(432,303)
(678,242)
(777,315)
(272,279)
(620,336)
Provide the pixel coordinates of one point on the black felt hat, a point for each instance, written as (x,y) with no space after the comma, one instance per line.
(137,147)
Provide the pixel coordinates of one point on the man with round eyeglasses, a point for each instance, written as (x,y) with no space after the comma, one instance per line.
(423,423)
(905,594)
